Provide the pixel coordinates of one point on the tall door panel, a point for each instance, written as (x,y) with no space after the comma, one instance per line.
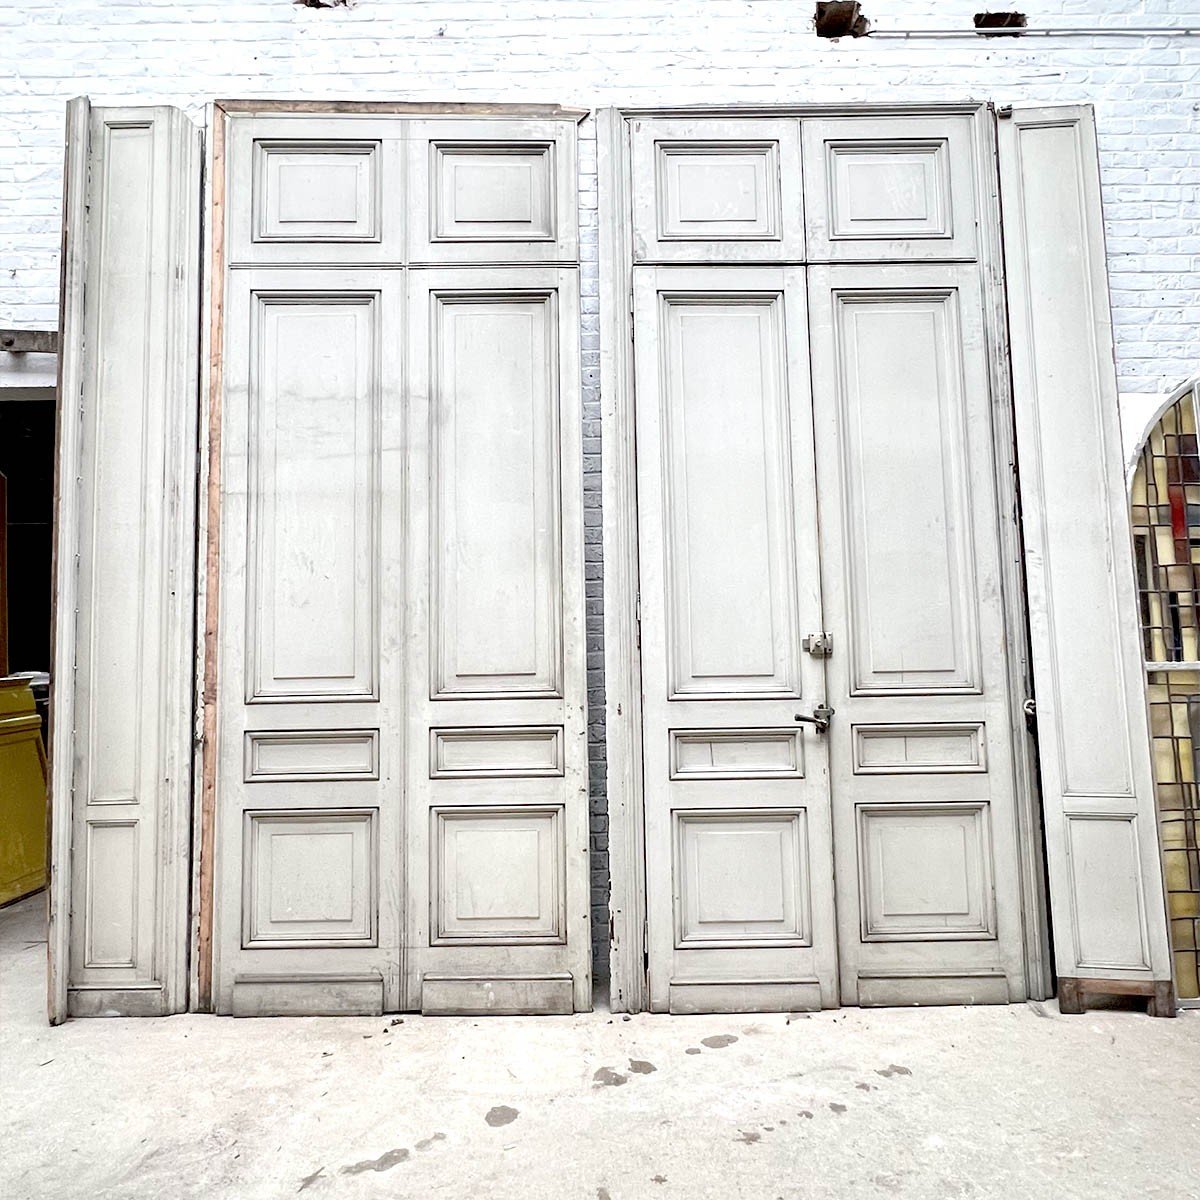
(402,774)
(923,787)
(311,742)
(739,872)
(497,840)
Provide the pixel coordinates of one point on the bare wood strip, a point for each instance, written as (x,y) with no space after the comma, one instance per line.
(216,283)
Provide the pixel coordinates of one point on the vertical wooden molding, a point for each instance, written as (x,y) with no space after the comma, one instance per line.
(73,268)
(622,661)
(211,565)
(1016,617)
(1106,894)
(125,494)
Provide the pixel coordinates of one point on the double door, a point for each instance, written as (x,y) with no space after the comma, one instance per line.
(830,809)
(401,779)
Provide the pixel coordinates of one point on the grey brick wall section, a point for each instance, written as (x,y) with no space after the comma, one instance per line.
(593,549)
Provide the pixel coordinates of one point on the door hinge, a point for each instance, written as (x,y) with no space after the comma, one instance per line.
(1029,708)
(637,616)
(819,645)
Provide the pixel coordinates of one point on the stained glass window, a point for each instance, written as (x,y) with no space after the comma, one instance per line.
(1166,534)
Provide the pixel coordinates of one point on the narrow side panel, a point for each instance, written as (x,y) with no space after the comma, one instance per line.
(1091,709)
(126,560)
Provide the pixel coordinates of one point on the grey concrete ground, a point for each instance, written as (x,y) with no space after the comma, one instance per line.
(1015,1102)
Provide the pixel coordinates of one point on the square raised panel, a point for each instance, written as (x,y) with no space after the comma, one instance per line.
(496,753)
(919,749)
(309,878)
(736,753)
(492,190)
(717,189)
(498,876)
(885,187)
(316,191)
(741,878)
(925,872)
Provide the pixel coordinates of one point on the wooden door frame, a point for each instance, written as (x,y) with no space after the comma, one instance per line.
(629,964)
(218,116)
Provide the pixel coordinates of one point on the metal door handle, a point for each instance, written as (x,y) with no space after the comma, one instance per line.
(821,717)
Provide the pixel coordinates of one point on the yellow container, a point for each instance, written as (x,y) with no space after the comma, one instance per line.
(22,793)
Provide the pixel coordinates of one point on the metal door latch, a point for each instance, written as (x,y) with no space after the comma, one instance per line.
(821,716)
(819,645)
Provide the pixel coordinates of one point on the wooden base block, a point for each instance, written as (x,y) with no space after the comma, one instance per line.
(1073,994)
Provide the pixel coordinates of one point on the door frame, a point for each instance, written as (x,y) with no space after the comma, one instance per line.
(218,114)
(628,953)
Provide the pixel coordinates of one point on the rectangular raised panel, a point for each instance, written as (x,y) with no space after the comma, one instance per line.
(736,754)
(881,187)
(307,996)
(496,753)
(492,191)
(309,878)
(743,996)
(742,878)
(730,557)
(889,189)
(111,871)
(497,573)
(911,574)
(307,191)
(718,190)
(312,537)
(115,607)
(498,876)
(925,872)
(1106,892)
(295,755)
(903,991)
(497,996)
(919,749)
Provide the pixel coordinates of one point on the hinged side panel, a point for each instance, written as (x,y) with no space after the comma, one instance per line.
(125,562)
(1097,786)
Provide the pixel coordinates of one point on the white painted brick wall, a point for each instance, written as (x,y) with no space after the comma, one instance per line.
(1146,91)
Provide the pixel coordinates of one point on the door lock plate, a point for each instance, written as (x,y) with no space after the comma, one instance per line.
(819,645)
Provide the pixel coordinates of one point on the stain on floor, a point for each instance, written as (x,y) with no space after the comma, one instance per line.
(718,1041)
(607,1077)
(894,1069)
(639,1066)
(501,1115)
(385,1162)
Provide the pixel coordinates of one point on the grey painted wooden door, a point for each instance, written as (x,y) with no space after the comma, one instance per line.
(401,791)
(819,530)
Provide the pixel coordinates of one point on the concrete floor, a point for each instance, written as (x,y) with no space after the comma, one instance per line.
(1014,1102)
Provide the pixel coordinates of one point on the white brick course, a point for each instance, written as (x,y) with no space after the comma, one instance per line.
(1146,90)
